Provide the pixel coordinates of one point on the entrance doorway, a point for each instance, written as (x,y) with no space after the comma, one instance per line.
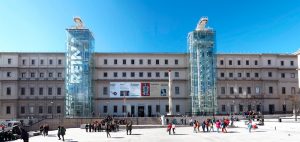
(149,111)
(132,111)
(271,109)
(141,111)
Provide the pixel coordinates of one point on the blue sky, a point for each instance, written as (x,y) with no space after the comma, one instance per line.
(243,26)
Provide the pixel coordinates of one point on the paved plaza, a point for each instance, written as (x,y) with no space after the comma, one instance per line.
(285,131)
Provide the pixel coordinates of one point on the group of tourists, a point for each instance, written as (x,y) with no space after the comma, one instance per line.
(17,132)
(44,129)
(61,131)
(208,125)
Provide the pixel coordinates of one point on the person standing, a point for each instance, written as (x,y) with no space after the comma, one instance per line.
(250,125)
(58,132)
(24,135)
(130,127)
(86,127)
(173,128)
(169,128)
(62,132)
(107,127)
(218,125)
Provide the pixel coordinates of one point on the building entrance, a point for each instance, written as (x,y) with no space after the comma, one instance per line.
(149,111)
(271,109)
(132,111)
(141,111)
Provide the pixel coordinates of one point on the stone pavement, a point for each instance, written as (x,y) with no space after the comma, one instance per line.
(289,132)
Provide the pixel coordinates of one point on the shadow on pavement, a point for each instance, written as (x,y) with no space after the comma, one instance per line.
(117,137)
(232,132)
(180,134)
(136,134)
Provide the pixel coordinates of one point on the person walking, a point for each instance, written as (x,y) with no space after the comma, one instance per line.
(24,135)
(108,129)
(130,127)
(86,127)
(58,132)
(250,125)
(211,126)
(169,128)
(173,128)
(62,132)
(203,126)
(195,126)
(218,125)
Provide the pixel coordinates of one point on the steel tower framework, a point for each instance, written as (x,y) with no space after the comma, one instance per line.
(202,66)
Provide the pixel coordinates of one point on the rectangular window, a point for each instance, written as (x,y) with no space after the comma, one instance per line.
(132,62)
(105,61)
(247,62)
(40,109)
(292,75)
(293,90)
(132,74)
(50,62)
(41,74)
(105,90)
(41,62)
(8,74)
(167,108)
(292,63)
(32,74)
(241,109)
(23,74)
(49,109)
(141,74)
(269,62)
(115,74)
(22,109)
(58,109)
(8,61)
(282,75)
(124,61)
(166,74)
(248,74)
(123,74)
(223,108)
(31,91)
(41,91)
(59,62)
(158,108)
(115,61)
(270,74)
(157,74)
(257,90)
(149,74)
(256,74)
(50,74)
(176,62)
(177,90)
(248,90)
(149,62)
(177,108)
(104,109)
(176,74)
(283,90)
(270,90)
(240,90)
(231,90)
(239,74)
(249,107)
(166,62)
(115,109)
(230,74)
(8,91)
(8,110)
(230,62)
(157,62)
(49,91)
(239,62)
(32,62)
(141,61)
(255,62)
(222,90)
(58,91)
(59,74)
(282,63)
(222,74)
(31,109)
(231,108)
(22,91)
(23,62)
(221,62)
(105,74)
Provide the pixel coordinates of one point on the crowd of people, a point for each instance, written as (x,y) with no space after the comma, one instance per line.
(17,132)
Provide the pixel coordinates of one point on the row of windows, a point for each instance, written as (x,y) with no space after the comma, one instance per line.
(124,108)
(247,62)
(33,62)
(40,109)
(239,90)
(270,74)
(140,74)
(41,74)
(140,61)
(177,90)
(40,91)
